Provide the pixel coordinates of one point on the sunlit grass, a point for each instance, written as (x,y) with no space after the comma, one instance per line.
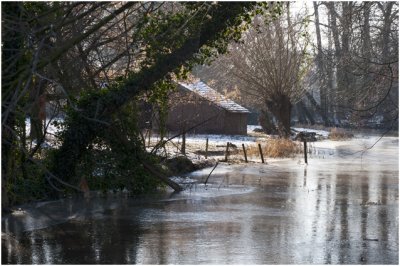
(276,148)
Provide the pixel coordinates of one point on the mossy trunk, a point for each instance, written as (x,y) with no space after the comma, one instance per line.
(96,112)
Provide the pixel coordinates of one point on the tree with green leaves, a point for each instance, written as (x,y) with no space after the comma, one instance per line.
(100,57)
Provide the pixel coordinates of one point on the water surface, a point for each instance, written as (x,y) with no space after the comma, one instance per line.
(341,208)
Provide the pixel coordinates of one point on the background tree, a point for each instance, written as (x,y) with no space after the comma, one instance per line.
(269,65)
(353,78)
(356,53)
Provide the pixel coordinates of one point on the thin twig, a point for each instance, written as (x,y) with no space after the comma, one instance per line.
(205,183)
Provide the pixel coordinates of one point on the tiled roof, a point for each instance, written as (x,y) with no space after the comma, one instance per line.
(213,96)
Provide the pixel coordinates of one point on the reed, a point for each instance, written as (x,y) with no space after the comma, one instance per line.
(276,148)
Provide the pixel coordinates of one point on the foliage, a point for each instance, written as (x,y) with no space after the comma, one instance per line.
(159,98)
(33,188)
(28,182)
(108,165)
(100,57)
(115,169)
(82,131)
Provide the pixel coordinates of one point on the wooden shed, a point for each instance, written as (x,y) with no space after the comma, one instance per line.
(199,109)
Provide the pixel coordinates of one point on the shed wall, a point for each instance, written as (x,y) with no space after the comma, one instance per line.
(190,110)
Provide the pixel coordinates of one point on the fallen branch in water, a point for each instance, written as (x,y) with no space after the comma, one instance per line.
(169,182)
(205,183)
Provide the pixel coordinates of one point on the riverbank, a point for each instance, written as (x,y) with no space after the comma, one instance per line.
(340,208)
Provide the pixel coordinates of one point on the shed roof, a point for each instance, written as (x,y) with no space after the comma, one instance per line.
(213,96)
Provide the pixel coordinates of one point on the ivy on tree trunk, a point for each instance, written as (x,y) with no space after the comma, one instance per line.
(95,111)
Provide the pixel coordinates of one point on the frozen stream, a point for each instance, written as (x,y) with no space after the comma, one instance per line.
(341,208)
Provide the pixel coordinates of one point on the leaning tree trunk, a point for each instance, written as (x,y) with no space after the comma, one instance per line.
(281,107)
(95,114)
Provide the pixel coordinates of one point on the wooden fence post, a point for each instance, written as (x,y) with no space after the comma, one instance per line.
(206,148)
(227,151)
(244,151)
(305,151)
(261,154)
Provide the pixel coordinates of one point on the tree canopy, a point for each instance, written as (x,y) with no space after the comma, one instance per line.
(98,57)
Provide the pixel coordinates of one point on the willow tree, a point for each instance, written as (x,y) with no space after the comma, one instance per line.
(269,64)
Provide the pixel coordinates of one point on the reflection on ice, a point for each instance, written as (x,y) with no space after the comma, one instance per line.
(341,208)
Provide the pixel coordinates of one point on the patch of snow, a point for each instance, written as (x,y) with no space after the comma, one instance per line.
(221,139)
(251,128)
(323,133)
(213,96)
